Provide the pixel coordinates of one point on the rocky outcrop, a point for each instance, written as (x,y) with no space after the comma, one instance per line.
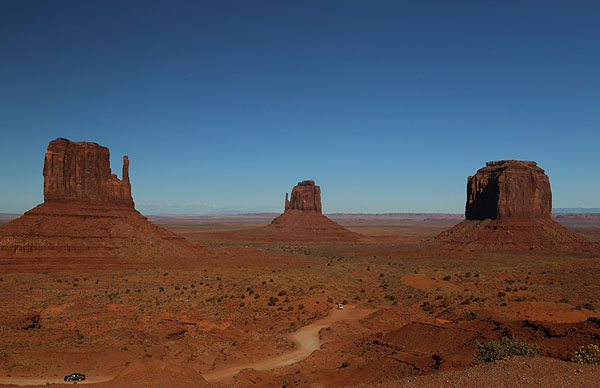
(306,196)
(508,189)
(509,204)
(80,172)
(88,212)
(303,219)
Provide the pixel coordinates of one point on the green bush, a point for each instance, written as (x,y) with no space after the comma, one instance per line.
(505,347)
(587,355)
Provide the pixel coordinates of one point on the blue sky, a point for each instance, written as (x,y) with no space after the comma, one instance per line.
(224,106)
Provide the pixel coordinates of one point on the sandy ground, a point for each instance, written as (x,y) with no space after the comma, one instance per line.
(258,313)
(306,339)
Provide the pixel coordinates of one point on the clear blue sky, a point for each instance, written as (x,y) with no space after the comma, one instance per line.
(223,106)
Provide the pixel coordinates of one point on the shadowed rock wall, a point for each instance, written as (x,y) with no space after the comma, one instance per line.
(509,189)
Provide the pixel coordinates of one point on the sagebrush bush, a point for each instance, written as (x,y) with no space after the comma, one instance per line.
(587,355)
(505,347)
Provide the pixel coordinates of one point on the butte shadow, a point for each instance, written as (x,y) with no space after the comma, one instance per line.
(87,212)
(509,205)
(302,221)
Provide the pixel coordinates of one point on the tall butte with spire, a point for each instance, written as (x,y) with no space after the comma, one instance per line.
(509,205)
(87,211)
(303,218)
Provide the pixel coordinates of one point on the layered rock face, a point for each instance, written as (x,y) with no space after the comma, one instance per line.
(509,205)
(509,189)
(80,172)
(306,196)
(88,212)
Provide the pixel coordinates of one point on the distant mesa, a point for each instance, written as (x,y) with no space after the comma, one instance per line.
(509,205)
(303,218)
(87,212)
(301,221)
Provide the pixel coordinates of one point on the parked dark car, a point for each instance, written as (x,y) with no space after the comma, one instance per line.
(75,377)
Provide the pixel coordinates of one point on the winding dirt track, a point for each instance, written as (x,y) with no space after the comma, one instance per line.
(306,338)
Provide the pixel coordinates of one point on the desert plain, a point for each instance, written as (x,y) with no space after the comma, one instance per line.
(415,309)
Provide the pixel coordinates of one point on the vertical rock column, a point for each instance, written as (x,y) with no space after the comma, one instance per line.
(305,196)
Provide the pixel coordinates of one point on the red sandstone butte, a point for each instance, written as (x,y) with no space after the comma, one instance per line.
(306,196)
(80,172)
(509,205)
(509,189)
(87,212)
(303,219)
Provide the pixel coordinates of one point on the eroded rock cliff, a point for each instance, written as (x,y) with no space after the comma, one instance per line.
(80,172)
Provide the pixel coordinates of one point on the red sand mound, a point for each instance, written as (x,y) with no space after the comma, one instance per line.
(310,226)
(156,374)
(87,212)
(52,229)
(509,205)
(515,233)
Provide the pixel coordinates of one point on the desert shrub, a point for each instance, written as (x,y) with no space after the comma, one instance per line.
(446,278)
(587,355)
(589,306)
(282,293)
(505,347)
(273,300)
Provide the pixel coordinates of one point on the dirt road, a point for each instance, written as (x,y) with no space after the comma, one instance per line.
(306,338)
(307,341)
